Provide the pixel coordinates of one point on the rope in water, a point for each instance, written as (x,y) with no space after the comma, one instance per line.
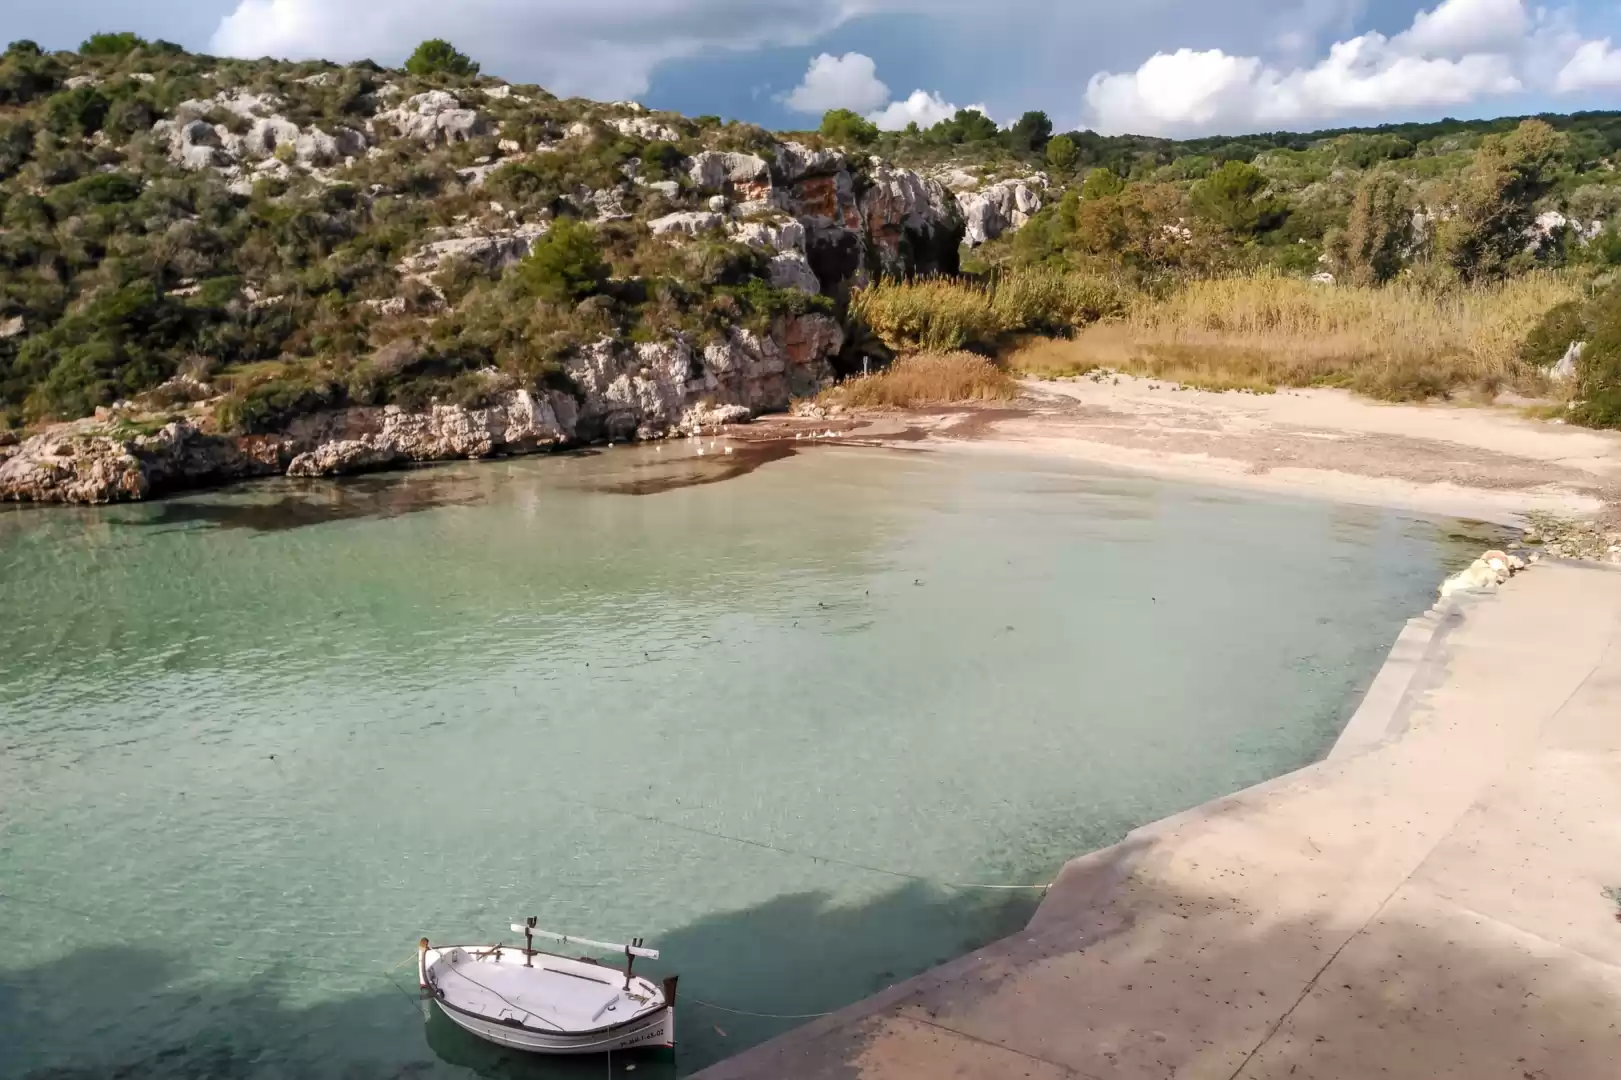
(761,1015)
(831,859)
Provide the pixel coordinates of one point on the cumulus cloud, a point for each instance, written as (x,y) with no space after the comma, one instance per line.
(1594,66)
(922,108)
(839,82)
(605,48)
(851,82)
(1459,52)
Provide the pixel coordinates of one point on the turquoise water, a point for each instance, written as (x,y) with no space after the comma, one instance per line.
(253,744)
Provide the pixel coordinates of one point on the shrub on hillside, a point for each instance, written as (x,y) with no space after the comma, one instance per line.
(847,128)
(1598,374)
(1496,200)
(564,265)
(439,57)
(111,44)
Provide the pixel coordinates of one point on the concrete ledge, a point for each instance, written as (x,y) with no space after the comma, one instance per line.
(1426,901)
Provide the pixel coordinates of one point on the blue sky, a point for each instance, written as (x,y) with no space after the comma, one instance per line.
(1175,67)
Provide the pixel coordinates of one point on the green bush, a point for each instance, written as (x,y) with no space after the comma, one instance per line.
(564,265)
(78,112)
(848,128)
(439,57)
(1598,373)
(111,44)
(1062,154)
(1551,337)
(268,406)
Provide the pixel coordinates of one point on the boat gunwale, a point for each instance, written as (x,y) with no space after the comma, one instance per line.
(439,994)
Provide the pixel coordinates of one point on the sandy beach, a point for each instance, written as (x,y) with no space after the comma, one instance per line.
(1489,463)
(1436,898)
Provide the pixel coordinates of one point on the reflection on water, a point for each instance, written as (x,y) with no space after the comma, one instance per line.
(244,765)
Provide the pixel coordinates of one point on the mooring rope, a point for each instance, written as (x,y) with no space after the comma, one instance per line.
(744,1012)
(832,859)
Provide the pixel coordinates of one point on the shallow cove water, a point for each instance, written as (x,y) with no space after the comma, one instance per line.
(254,743)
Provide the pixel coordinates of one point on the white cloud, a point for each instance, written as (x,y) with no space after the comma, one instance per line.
(1594,66)
(839,82)
(922,108)
(1460,28)
(604,48)
(1457,53)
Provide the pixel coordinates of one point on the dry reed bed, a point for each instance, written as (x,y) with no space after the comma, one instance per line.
(926,379)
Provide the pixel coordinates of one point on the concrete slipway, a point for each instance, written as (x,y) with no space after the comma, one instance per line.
(1432,900)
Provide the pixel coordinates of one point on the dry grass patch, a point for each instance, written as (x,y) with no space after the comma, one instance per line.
(926,379)
(1397,342)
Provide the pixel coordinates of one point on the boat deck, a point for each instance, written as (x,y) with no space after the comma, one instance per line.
(553,995)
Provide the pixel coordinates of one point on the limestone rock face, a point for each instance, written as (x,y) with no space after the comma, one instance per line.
(745,176)
(360,439)
(648,390)
(1005,206)
(436,117)
(689,222)
(495,251)
(77,464)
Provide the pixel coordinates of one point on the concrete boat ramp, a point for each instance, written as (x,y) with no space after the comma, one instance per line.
(1440,897)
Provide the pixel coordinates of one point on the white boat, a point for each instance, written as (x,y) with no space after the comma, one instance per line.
(521,997)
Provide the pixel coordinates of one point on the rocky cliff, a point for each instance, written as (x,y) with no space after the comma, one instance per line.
(651,390)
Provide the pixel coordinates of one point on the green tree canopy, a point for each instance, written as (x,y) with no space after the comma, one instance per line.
(968,126)
(847,128)
(1062,153)
(1100,184)
(1496,200)
(1030,132)
(439,57)
(566,264)
(1369,251)
(1233,198)
(111,44)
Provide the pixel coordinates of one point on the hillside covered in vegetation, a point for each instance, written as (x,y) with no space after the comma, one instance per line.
(283,240)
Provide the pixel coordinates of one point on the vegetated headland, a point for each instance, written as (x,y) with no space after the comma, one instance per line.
(217,269)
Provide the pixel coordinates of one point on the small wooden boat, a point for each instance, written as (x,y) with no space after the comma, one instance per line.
(521,997)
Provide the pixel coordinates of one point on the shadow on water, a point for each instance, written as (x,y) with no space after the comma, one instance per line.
(143,1014)
(1412,995)
(684,471)
(315,502)
(282,504)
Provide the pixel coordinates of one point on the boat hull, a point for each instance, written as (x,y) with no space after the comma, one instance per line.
(646,1032)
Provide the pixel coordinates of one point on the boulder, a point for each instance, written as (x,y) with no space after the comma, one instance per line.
(776,234)
(1005,206)
(316,147)
(645,127)
(267,134)
(12,327)
(434,118)
(745,176)
(1565,369)
(792,270)
(494,251)
(688,222)
(795,161)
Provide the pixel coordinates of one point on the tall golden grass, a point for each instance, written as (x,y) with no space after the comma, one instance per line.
(926,379)
(1261,331)
(947,314)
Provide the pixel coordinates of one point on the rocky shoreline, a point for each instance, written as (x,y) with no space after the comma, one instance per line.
(619,393)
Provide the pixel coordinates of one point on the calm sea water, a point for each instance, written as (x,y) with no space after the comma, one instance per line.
(253,744)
